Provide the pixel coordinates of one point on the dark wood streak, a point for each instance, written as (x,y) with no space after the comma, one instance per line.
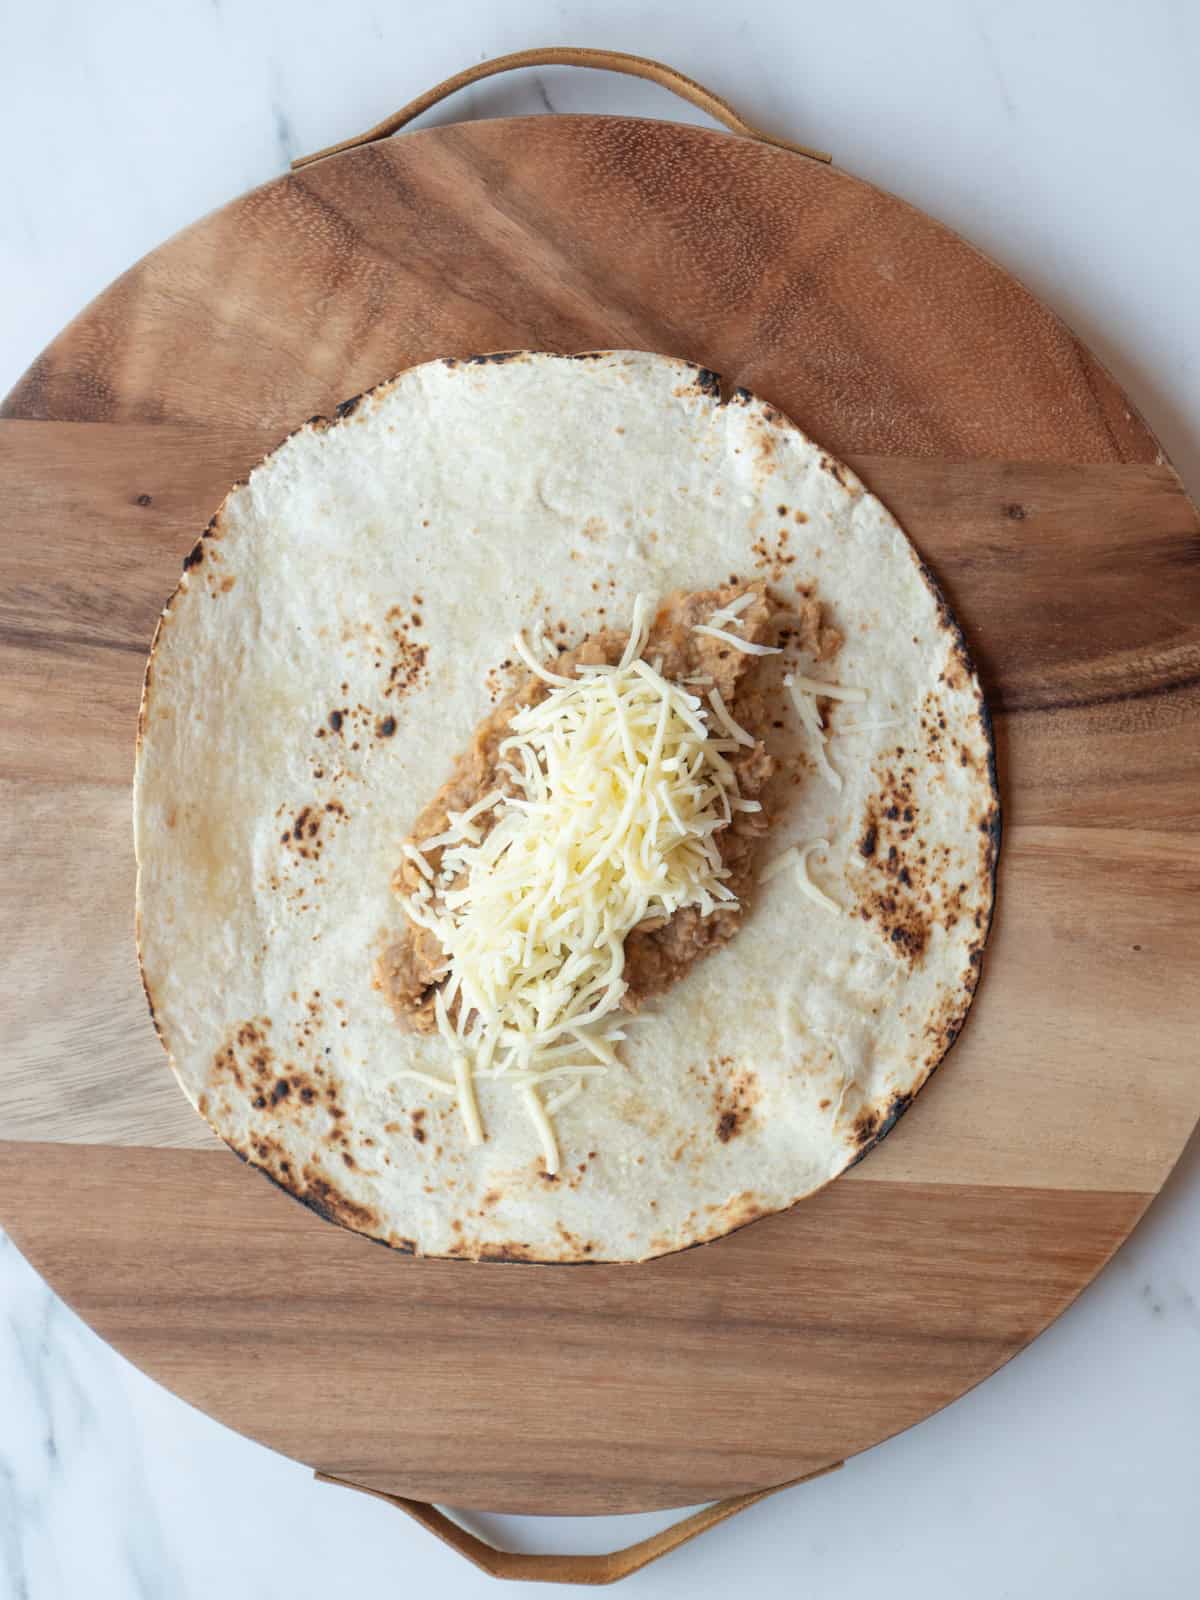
(1025,706)
(58,643)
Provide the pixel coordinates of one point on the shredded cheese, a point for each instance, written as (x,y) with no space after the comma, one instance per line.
(466,1100)
(545,1128)
(829,691)
(732,611)
(807,886)
(415,856)
(534,665)
(735,731)
(796,856)
(780,863)
(746,646)
(564,1098)
(810,718)
(845,728)
(619,787)
(428,1079)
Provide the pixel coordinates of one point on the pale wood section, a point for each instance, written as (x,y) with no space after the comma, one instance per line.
(768,1354)
(81,1060)
(1068,549)
(1080,1061)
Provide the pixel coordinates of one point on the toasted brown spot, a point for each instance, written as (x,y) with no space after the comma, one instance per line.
(323,1197)
(734,1098)
(513,1251)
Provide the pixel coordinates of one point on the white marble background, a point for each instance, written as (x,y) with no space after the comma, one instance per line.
(1064,138)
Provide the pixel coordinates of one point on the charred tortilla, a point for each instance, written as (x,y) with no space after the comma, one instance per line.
(339,637)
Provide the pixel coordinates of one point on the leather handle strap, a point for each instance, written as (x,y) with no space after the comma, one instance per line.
(601,1569)
(570,56)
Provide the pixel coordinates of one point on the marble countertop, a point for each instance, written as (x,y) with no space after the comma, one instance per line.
(1062,137)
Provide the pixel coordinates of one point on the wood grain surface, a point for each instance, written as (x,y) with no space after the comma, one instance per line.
(1072,556)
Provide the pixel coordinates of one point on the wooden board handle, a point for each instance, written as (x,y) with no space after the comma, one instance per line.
(601,1569)
(569,56)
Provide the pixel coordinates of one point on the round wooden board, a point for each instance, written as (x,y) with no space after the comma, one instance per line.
(1069,551)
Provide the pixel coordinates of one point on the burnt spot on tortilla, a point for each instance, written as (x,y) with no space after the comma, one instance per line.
(722,1219)
(194,556)
(495,358)
(336,719)
(588,355)
(284,1089)
(933,729)
(152,1011)
(302,837)
(385,727)
(874,1123)
(511,1251)
(896,877)
(347,408)
(735,1095)
(774,559)
(406,669)
(321,1195)
(834,468)
(709,382)
(957,672)
(739,396)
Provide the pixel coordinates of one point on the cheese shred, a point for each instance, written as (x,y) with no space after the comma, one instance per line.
(796,856)
(746,646)
(618,787)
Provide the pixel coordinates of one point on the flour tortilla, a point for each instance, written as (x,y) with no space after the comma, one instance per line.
(328,651)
